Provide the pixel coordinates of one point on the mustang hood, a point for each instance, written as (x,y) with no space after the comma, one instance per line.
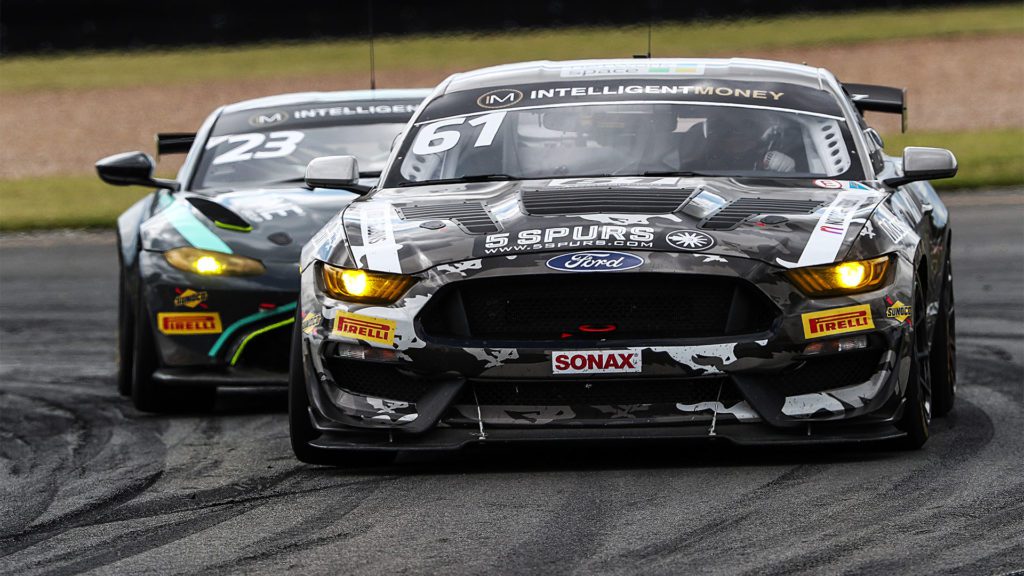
(268,224)
(783,222)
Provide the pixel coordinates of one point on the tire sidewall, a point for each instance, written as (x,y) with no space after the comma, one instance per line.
(299,425)
(144,362)
(125,329)
(915,421)
(944,350)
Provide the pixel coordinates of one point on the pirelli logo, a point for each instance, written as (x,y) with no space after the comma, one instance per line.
(364,328)
(188,323)
(837,321)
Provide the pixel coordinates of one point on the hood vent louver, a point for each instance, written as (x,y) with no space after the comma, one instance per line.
(602,201)
(471,216)
(737,211)
(222,216)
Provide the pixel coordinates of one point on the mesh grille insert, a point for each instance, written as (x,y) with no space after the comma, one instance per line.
(572,201)
(827,372)
(563,307)
(377,380)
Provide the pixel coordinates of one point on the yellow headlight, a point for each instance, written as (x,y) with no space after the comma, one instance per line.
(364,286)
(843,278)
(851,274)
(209,263)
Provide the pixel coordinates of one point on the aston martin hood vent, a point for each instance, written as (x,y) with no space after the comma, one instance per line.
(602,201)
(220,214)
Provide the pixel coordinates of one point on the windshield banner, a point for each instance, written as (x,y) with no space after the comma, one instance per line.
(768,94)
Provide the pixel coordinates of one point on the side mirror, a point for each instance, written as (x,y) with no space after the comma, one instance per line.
(132,169)
(332,172)
(921,163)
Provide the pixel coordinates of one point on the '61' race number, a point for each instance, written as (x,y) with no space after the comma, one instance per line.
(432,139)
(255,145)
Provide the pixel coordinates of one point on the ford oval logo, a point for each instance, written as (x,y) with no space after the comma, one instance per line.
(595,261)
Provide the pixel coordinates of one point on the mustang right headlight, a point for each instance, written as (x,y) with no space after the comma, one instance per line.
(363,286)
(850,277)
(210,263)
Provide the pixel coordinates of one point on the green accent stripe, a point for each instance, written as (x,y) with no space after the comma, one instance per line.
(241,346)
(185,222)
(247,320)
(232,227)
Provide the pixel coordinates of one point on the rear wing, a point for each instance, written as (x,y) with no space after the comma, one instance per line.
(872,98)
(174,142)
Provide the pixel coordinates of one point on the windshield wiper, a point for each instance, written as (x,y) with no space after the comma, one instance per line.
(682,173)
(473,178)
(295,180)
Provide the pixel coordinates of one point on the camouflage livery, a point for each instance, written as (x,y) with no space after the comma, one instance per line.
(428,389)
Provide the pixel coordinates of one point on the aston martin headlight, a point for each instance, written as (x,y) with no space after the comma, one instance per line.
(364,286)
(844,278)
(210,263)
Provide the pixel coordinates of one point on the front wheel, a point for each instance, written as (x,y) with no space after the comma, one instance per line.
(149,395)
(125,334)
(944,349)
(917,414)
(300,427)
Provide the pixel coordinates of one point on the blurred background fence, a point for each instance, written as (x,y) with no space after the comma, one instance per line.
(81,79)
(32,26)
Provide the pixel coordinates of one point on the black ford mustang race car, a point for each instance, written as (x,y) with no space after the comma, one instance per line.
(629,249)
(208,261)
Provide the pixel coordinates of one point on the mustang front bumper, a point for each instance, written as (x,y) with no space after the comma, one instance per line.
(423,391)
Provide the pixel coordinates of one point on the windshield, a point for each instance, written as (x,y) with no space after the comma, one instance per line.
(277,156)
(628,139)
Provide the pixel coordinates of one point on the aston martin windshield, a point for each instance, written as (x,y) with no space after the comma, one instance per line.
(269,157)
(272,146)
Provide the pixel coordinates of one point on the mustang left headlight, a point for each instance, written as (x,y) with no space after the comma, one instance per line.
(850,277)
(364,286)
(210,263)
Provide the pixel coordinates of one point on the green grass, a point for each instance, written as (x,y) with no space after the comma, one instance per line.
(466,51)
(63,202)
(991,158)
(994,158)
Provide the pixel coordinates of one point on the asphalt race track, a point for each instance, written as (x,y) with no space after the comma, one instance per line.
(89,484)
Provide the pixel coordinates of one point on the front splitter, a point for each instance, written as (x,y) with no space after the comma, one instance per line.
(445,439)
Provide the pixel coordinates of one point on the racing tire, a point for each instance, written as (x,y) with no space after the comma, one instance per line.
(943,358)
(147,394)
(917,413)
(125,332)
(301,429)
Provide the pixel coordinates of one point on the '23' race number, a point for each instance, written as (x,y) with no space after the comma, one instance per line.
(255,146)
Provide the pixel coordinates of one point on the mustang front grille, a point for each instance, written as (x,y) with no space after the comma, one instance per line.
(587,307)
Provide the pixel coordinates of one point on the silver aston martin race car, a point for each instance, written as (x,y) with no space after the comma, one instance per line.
(629,249)
(207,287)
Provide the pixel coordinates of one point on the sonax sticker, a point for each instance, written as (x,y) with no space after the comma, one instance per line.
(595,361)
